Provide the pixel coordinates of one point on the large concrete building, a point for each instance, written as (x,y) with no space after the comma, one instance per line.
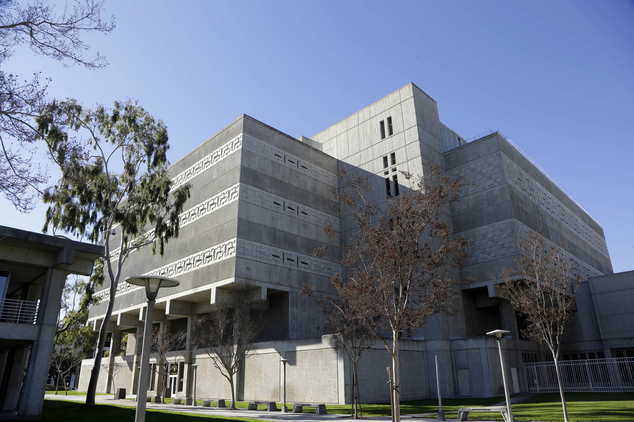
(259,201)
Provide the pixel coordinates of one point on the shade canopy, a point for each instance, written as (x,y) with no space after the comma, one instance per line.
(498,333)
(152,283)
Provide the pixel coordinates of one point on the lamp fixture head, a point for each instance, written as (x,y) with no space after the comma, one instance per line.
(152,283)
(498,333)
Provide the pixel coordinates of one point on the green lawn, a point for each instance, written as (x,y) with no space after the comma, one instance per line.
(65,411)
(582,407)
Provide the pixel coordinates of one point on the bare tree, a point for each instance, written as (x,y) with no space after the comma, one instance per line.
(399,258)
(227,335)
(49,34)
(542,287)
(163,342)
(352,336)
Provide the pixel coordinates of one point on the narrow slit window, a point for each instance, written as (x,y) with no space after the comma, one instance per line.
(388,189)
(385,163)
(395,178)
(382,124)
(390,130)
(393,158)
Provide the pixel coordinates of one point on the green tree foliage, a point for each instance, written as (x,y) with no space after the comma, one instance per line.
(49,34)
(114,188)
(74,340)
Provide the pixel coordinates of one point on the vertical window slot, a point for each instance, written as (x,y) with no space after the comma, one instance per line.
(382,125)
(390,130)
(395,178)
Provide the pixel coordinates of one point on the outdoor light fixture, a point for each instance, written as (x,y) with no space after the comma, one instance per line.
(195,366)
(152,285)
(498,336)
(284,361)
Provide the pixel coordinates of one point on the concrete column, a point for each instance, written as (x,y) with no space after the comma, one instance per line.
(15,378)
(4,356)
(115,345)
(32,398)
(189,353)
(136,350)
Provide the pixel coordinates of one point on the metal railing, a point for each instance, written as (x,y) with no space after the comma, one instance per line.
(18,311)
(612,374)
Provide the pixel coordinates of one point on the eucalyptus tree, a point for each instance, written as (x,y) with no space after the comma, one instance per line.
(58,36)
(398,258)
(114,179)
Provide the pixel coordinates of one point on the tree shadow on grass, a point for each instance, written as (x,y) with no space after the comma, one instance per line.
(64,411)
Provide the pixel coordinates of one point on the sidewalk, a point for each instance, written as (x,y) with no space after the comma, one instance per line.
(243,413)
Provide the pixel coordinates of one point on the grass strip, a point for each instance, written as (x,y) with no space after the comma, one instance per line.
(66,411)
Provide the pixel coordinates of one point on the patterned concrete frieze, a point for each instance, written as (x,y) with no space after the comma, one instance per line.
(207,162)
(527,186)
(282,157)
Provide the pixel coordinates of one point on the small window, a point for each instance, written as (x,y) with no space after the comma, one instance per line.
(395,178)
(393,158)
(382,124)
(388,189)
(390,130)
(385,163)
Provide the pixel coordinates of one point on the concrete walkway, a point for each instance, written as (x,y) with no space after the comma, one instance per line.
(243,413)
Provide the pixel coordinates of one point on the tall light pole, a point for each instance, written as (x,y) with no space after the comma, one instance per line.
(195,366)
(152,285)
(284,362)
(498,337)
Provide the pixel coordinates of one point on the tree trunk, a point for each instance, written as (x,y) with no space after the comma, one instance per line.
(396,385)
(103,331)
(561,390)
(355,403)
(233,393)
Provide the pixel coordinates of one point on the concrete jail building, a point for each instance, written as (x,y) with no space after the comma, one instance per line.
(259,199)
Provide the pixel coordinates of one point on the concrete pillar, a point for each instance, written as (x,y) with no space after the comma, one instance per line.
(115,345)
(136,350)
(4,356)
(15,372)
(189,352)
(32,398)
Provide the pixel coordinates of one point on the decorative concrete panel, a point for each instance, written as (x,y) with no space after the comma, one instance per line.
(207,162)
(270,254)
(480,174)
(580,268)
(193,262)
(277,155)
(527,186)
(277,203)
(493,241)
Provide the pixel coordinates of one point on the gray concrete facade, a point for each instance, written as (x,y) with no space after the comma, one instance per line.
(33,270)
(259,201)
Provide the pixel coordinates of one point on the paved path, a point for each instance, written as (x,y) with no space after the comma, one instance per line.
(243,413)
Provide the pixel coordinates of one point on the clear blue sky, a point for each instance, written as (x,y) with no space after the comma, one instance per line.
(555,77)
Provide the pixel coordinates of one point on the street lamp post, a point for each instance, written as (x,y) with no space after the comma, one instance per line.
(284,362)
(195,366)
(498,337)
(152,285)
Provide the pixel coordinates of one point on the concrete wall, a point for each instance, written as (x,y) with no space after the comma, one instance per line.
(613,296)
